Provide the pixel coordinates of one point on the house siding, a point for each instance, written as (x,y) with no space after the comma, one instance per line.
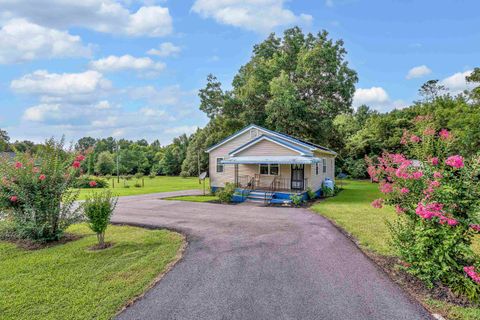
(267,148)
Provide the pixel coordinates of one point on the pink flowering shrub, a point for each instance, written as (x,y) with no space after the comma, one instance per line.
(436,194)
(36,192)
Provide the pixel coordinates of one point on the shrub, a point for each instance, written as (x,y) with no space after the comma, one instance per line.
(85,182)
(152,175)
(327,192)
(137,185)
(138,175)
(37,191)
(311,194)
(98,209)
(437,197)
(225,194)
(297,199)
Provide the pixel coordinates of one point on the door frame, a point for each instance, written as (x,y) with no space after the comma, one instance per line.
(302,181)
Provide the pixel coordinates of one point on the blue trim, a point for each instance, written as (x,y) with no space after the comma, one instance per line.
(280,141)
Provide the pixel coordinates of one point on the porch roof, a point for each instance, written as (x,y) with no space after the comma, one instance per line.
(271,160)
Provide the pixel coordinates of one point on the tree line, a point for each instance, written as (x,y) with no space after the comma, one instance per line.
(299,84)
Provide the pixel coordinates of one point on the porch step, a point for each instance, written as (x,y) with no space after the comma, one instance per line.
(259,196)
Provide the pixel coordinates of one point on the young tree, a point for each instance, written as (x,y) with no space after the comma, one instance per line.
(98,209)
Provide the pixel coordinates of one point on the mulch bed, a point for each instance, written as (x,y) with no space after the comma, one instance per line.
(97,247)
(36,245)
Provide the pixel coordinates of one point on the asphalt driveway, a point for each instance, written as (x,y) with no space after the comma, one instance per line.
(245,262)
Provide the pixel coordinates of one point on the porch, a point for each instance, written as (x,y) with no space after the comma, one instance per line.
(271,184)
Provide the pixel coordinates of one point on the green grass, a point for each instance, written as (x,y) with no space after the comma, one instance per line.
(158,184)
(352,211)
(69,281)
(206,198)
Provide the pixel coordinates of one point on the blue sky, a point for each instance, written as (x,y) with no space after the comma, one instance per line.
(133,68)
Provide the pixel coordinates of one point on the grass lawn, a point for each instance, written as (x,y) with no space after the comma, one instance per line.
(352,211)
(158,184)
(206,198)
(69,281)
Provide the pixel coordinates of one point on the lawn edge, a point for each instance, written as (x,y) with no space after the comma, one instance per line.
(370,254)
(178,257)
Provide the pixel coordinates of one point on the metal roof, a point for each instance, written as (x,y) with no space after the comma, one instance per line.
(305,144)
(271,160)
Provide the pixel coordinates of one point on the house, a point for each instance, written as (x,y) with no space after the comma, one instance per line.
(269,166)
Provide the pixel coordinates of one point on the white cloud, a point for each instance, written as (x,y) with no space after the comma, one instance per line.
(256,15)
(21,40)
(127,62)
(376,98)
(50,87)
(418,72)
(165,49)
(456,83)
(373,95)
(181,130)
(100,15)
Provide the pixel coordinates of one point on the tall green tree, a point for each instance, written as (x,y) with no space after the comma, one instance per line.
(288,79)
(105,163)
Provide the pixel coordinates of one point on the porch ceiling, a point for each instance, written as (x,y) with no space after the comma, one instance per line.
(271,160)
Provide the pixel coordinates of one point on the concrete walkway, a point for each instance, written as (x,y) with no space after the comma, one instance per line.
(255,263)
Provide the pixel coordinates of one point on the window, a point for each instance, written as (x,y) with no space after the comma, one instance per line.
(270,169)
(317,168)
(253,133)
(324,165)
(264,169)
(219,165)
(274,169)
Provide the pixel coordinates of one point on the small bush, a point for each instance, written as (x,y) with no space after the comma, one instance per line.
(297,199)
(137,185)
(225,194)
(138,175)
(152,175)
(184,174)
(311,195)
(327,192)
(85,182)
(98,209)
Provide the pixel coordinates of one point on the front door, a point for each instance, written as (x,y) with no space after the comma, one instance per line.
(297,177)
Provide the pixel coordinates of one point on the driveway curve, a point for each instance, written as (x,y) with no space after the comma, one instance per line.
(247,262)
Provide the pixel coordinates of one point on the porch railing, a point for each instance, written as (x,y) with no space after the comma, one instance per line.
(270,183)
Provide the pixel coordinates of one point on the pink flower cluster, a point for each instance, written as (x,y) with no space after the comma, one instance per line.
(470,271)
(377,203)
(386,187)
(18,165)
(92,184)
(455,161)
(445,134)
(475,227)
(434,209)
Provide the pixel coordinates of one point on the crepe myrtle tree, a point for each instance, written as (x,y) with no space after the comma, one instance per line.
(98,209)
(436,194)
(36,191)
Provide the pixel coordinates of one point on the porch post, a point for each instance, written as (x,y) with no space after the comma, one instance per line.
(236,175)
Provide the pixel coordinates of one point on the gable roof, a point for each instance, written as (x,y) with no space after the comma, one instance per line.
(304,144)
(281,142)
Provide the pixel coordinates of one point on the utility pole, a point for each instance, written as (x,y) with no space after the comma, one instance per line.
(118,170)
(198,166)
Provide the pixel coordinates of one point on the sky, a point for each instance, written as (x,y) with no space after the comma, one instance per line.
(132,69)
